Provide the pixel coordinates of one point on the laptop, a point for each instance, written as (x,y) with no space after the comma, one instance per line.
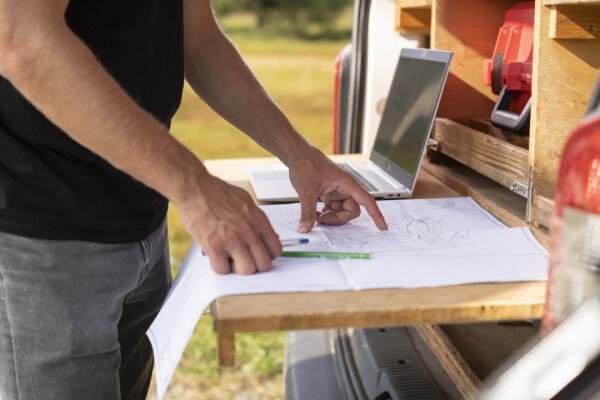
(401,138)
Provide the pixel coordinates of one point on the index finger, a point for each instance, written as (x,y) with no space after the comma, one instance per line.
(365,199)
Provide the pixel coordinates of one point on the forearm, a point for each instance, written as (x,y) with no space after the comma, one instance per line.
(217,72)
(59,75)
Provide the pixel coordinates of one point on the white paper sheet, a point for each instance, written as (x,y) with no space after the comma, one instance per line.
(434,242)
(499,255)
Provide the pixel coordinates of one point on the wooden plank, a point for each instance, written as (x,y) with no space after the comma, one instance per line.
(486,346)
(495,158)
(574,2)
(563,79)
(485,126)
(226,349)
(575,22)
(449,358)
(413,20)
(469,28)
(542,209)
(381,307)
(542,234)
(413,3)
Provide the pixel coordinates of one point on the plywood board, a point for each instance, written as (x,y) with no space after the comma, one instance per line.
(450,360)
(575,22)
(414,3)
(543,208)
(579,2)
(413,20)
(563,76)
(383,307)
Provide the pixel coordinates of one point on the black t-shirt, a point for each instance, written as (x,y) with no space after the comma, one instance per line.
(53,188)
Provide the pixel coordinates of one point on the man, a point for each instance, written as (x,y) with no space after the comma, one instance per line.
(88,92)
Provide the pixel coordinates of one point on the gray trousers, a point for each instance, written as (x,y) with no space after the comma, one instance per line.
(73,316)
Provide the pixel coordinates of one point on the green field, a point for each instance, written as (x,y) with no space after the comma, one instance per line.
(299,76)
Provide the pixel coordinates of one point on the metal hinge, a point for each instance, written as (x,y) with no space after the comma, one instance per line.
(520,188)
(529,195)
(433,144)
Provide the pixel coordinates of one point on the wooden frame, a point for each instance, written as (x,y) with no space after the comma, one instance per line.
(413,16)
(566,57)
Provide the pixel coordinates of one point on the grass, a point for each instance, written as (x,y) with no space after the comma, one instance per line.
(298,73)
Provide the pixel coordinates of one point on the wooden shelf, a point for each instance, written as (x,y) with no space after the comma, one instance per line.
(574,22)
(570,2)
(413,16)
(566,59)
(414,3)
(493,157)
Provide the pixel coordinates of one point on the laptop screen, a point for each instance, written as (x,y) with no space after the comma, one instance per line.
(409,111)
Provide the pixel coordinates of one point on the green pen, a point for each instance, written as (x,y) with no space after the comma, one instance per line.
(325,254)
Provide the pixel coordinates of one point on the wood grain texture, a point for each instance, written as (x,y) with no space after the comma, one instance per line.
(381,307)
(575,22)
(226,350)
(485,126)
(414,3)
(469,28)
(451,361)
(542,209)
(413,20)
(575,2)
(495,158)
(562,83)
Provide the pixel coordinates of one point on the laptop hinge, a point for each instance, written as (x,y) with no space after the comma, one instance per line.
(520,188)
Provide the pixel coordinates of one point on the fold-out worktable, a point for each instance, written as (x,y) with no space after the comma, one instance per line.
(369,308)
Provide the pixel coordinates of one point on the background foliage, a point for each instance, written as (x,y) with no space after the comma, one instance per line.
(303,18)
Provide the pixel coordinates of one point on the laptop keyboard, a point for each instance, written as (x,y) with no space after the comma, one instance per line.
(365,184)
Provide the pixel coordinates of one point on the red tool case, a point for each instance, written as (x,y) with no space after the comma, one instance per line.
(508,72)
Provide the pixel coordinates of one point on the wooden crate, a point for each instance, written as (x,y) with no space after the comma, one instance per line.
(566,58)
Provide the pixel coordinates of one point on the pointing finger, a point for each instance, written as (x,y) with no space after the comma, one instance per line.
(308,212)
(365,199)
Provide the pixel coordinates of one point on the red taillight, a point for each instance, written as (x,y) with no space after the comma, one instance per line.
(575,247)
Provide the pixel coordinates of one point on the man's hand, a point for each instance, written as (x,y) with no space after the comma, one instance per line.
(235,234)
(313,175)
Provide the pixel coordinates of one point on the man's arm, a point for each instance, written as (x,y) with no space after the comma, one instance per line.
(215,70)
(59,75)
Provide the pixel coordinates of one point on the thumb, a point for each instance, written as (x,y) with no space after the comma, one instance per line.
(308,213)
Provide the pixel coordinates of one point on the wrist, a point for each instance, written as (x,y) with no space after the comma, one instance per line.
(192,181)
(295,150)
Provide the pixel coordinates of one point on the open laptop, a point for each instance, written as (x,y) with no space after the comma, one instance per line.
(400,142)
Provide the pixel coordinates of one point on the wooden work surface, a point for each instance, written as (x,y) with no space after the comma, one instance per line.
(383,307)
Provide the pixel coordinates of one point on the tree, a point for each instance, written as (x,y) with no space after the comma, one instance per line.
(296,15)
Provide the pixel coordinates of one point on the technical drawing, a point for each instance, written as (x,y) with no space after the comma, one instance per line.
(415,226)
